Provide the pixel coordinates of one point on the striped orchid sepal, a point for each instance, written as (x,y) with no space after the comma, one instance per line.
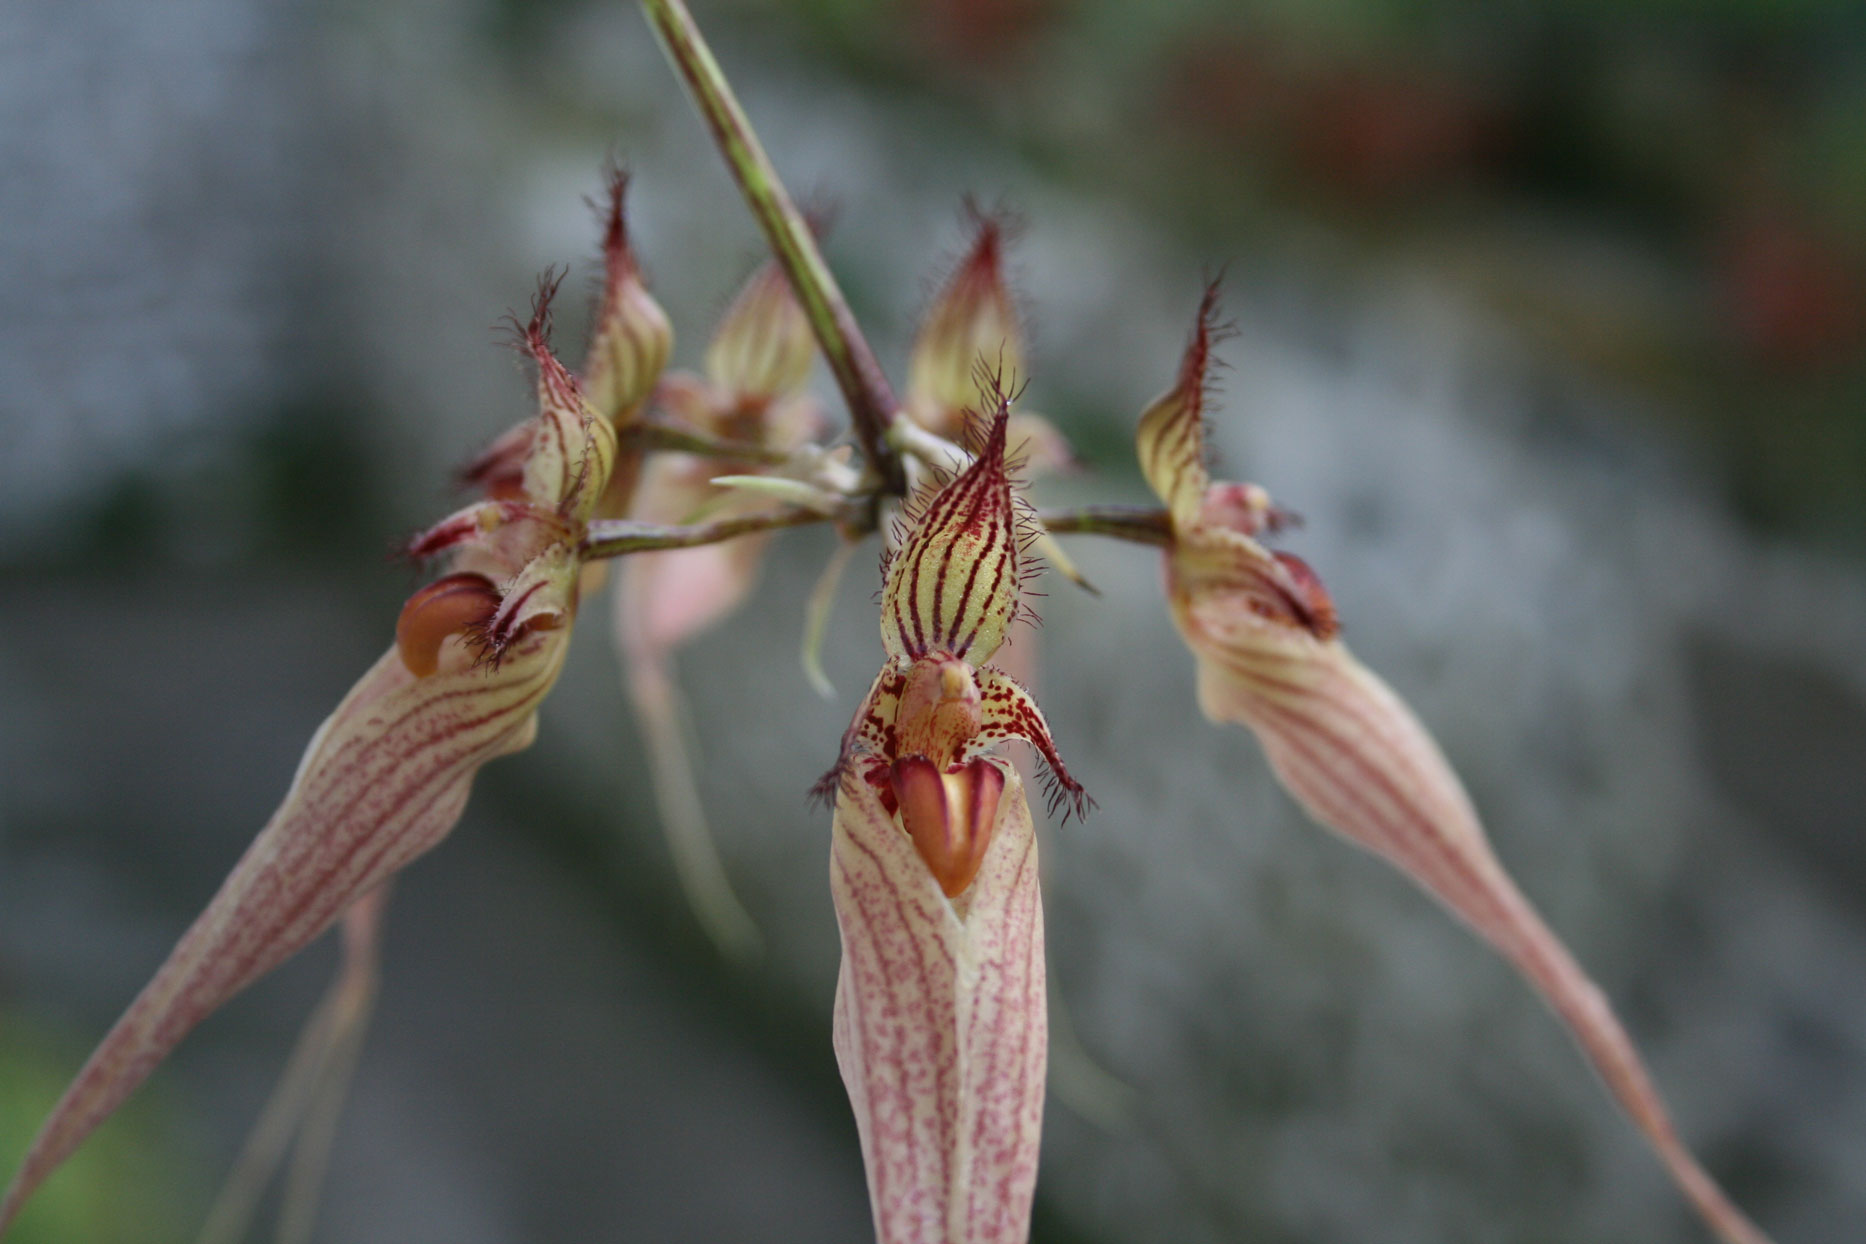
(1266,639)
(387,775)
(632,337)
(940,1021)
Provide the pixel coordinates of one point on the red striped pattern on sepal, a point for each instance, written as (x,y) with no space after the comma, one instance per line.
(1358,760)
(952,587)
(384,780)
(571,449)
(941,1023)
(633,338)
(1171,439)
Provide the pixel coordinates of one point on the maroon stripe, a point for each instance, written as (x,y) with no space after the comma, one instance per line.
(359,841)
(940,1065)
(1431,852)
(997,579)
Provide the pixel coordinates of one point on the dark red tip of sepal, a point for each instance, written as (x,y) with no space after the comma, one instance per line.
(617,257)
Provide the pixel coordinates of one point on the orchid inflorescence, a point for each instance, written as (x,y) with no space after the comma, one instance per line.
(940,1022)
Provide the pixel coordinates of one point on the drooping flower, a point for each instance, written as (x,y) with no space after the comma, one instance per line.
(386,777)
(940,1024)
(751,394)
(1265,636)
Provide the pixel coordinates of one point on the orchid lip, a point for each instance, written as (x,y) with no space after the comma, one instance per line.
(950,815)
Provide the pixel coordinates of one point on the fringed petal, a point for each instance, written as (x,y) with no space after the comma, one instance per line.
(941,1030)
(1009,711)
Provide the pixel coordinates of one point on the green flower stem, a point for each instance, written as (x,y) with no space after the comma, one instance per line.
(619,536)
(872,407)
(1124,522)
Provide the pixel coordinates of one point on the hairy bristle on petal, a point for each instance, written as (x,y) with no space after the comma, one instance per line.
(618,259)
(952,587)
(1171,437)
(1008,711)
(941,1024)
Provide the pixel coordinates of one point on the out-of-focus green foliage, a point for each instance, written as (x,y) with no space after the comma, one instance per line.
(123,1188)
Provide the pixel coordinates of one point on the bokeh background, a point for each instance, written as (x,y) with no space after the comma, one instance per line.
(1552,322)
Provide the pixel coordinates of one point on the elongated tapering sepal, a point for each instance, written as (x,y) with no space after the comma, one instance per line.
(941,1028)
(1358,761)
(1264,633)
(384,779)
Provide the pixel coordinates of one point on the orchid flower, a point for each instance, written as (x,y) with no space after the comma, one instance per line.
(940,1025)
(751,395)
(386,777)
(1270,657)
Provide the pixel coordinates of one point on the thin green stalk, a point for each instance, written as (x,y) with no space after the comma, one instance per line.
(1124,522)
(620,536)
(872,407)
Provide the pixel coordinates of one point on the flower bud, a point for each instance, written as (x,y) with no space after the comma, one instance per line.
(971,321)
(764,347)
(633,338)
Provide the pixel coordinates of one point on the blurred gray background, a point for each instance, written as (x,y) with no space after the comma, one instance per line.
(1550,324)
